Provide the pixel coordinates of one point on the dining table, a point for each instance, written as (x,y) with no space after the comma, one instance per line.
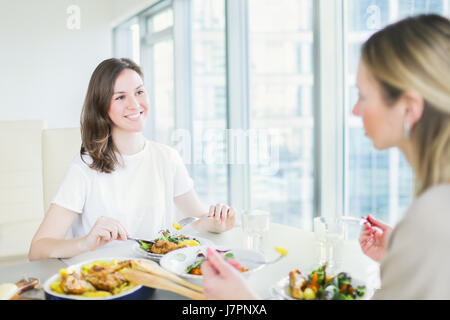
(302,247)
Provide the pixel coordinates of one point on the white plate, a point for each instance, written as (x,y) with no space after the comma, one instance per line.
(177,261)
(281,289)
(77,267)
(155,256)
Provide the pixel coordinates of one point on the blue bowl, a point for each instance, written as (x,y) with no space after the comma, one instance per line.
(137,293)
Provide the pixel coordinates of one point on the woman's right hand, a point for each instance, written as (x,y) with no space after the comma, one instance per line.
(221,281)
(105,230)
(373,238)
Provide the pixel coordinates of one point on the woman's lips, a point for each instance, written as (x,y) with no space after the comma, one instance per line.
(134,116)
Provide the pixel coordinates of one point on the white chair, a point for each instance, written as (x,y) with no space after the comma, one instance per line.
(21,201)
(59,147)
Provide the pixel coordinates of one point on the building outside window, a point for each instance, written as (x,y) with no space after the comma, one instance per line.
(282,88)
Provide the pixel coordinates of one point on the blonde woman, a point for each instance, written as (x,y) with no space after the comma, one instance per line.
(121,184)
(404,85)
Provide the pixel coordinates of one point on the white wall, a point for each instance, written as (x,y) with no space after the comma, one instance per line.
(45,67)
(124,9)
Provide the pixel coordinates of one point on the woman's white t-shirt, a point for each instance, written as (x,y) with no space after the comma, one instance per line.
(139,194)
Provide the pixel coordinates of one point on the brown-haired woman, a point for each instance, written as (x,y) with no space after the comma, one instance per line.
(404,85)
(121,183)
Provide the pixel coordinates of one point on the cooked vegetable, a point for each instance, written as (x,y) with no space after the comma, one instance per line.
(281,251)
(200,258)
(196,264)
(177,226)
(167,242)
(145,245)
(331,293)
(320,286)
(190,243)
(309,294)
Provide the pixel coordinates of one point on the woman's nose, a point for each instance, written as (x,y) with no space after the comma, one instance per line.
(355,110)
(133,104)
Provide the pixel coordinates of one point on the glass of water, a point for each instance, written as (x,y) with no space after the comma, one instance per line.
(329,234)
(255,224)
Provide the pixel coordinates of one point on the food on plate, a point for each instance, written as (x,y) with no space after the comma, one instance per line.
(164,246)
(167,242)
(189,243)
(296,281)
(96,279)
(318,286)
(195,268)
(177,226)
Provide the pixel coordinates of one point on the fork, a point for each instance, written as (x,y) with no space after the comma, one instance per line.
(185,221)
(137,240)
(263,262)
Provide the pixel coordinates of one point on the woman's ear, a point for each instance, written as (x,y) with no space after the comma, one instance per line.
(415,104)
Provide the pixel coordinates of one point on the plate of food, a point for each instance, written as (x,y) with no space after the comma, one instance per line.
(318,285)
(168,242)
(187,262)
(98,279)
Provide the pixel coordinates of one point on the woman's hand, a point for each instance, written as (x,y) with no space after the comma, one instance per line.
(221,281)
(224,218)
(105,230)
(373,238)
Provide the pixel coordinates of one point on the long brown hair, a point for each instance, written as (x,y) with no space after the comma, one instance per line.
(414,54)
(96,139)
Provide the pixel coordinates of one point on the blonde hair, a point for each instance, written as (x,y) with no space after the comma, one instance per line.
(414,55)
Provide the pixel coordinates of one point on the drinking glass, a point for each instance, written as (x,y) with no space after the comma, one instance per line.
(329,234)
(255,224)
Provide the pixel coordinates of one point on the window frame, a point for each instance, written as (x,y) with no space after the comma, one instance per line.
(238,105)
(328,130)
(148,40)
(329,125)
(330,97)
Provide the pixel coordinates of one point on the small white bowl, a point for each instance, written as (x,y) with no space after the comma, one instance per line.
(177,261)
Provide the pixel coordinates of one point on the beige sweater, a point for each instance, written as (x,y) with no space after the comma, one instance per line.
(417,262)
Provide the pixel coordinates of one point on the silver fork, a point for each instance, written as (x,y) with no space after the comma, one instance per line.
(185,221)
(263,262)
(137,240)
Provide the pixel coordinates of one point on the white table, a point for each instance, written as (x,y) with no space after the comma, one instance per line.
(302,255)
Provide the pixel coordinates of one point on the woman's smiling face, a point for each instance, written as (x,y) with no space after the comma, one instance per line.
(130,104)
(383,123)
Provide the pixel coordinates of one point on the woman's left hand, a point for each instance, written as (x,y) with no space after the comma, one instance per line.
(224,217)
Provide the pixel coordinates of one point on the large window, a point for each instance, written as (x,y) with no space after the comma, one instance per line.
(281,108)
(280,76)
(158,64)
(209,101)
(376,182)
(127,40)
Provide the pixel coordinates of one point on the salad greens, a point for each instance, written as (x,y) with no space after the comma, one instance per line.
(145,245)
(322,287)
(165,236)
(200,258)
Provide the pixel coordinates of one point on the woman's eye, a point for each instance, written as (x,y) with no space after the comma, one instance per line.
(120,98)
(140,92)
